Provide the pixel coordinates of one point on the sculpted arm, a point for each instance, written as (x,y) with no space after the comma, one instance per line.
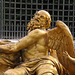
(28,40)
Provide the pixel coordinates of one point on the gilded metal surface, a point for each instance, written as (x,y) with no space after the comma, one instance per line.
(38,43)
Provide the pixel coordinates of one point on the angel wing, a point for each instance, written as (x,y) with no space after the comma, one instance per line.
(71,61)
(68,57)
(61,40)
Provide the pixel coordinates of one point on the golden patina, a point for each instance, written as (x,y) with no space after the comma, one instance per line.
(43,50)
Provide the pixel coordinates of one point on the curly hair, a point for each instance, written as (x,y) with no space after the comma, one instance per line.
(39,21)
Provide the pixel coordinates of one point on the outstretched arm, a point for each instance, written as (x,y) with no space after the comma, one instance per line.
(28,40)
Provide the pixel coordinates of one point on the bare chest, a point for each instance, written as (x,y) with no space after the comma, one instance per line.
(36,50)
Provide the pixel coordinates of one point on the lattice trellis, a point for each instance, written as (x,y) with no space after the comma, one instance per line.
(17,13)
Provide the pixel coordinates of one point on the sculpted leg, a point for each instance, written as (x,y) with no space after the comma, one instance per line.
(46,67)
(17,71)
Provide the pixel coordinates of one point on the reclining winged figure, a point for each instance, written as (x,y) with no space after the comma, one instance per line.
(36,46)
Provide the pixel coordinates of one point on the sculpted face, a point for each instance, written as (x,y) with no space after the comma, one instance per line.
(43,12)
(47,18)
(41,20)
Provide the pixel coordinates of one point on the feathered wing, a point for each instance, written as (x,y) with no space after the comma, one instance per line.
(61,40)
(68,57)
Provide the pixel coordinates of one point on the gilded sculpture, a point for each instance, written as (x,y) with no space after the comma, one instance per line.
(8,60)
(38,43)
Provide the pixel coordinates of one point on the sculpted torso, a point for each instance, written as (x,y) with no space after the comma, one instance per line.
(36,50)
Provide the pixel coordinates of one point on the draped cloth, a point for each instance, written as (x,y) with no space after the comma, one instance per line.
(44,65)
